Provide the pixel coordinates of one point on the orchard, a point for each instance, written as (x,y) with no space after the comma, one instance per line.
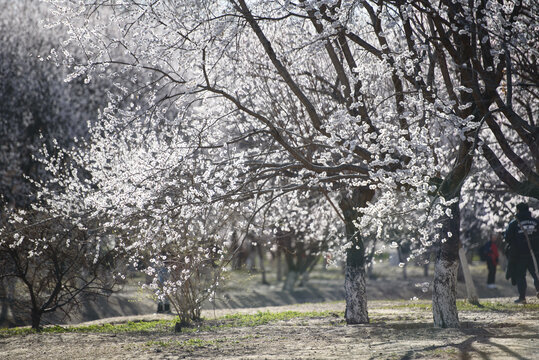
(171,135)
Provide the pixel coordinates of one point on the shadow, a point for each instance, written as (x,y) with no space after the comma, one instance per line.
(4,313)
(467,350)
(100,307)
(270,296)
(478,339)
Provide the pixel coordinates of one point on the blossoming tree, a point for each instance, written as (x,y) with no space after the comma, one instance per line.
(480,50)
(249,102)
(47,264)
(364,102)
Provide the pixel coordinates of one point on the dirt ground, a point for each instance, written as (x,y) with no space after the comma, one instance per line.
(395,331)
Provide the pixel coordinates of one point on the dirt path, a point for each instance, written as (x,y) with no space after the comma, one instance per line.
(395,332)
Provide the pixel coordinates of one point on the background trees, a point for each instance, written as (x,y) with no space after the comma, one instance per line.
(58,265)
(471,46)
(37,107)
(47,263)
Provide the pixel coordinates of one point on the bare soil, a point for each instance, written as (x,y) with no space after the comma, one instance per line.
(395,332)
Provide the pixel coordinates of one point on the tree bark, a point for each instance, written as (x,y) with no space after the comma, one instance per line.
(355,288)
(290,280)
(262,266)
(470,286)
(305,275)
(36,318)
(355,277)
(278,260)
(402,259)
(444,302)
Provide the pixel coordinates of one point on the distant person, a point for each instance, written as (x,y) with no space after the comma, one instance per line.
(523,228)
(489,252)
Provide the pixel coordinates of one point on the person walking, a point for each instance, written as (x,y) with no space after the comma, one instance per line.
(490,254)
(522,237)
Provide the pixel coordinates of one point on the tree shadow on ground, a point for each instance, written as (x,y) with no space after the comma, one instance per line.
(259,298)
(467,350)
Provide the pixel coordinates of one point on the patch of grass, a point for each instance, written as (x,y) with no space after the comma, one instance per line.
(262,318)
(463,305)
(235,320)
(197,342)
(130,326)
(15,331)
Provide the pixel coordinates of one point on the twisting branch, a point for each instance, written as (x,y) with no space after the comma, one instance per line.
(281,69)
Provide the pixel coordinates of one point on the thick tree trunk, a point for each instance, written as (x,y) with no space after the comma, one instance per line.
(355,276)
(355,288)
(250,262)
(444,302)
(7,297)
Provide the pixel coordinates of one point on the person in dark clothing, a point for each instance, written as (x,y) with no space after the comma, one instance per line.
(522,233)
(490,253)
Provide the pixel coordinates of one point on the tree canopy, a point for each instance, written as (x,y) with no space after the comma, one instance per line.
(377,108)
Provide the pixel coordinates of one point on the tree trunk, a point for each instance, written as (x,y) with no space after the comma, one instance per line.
(262,266)
(444,302)
(355,277)
(304,278)
(460,274)
(250,262)
(470,287)
(290,280)
(370,270)
(310,263)
(402,260)
(278,259)
(370,261)
(355,288)
(36,318)
(404,273)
